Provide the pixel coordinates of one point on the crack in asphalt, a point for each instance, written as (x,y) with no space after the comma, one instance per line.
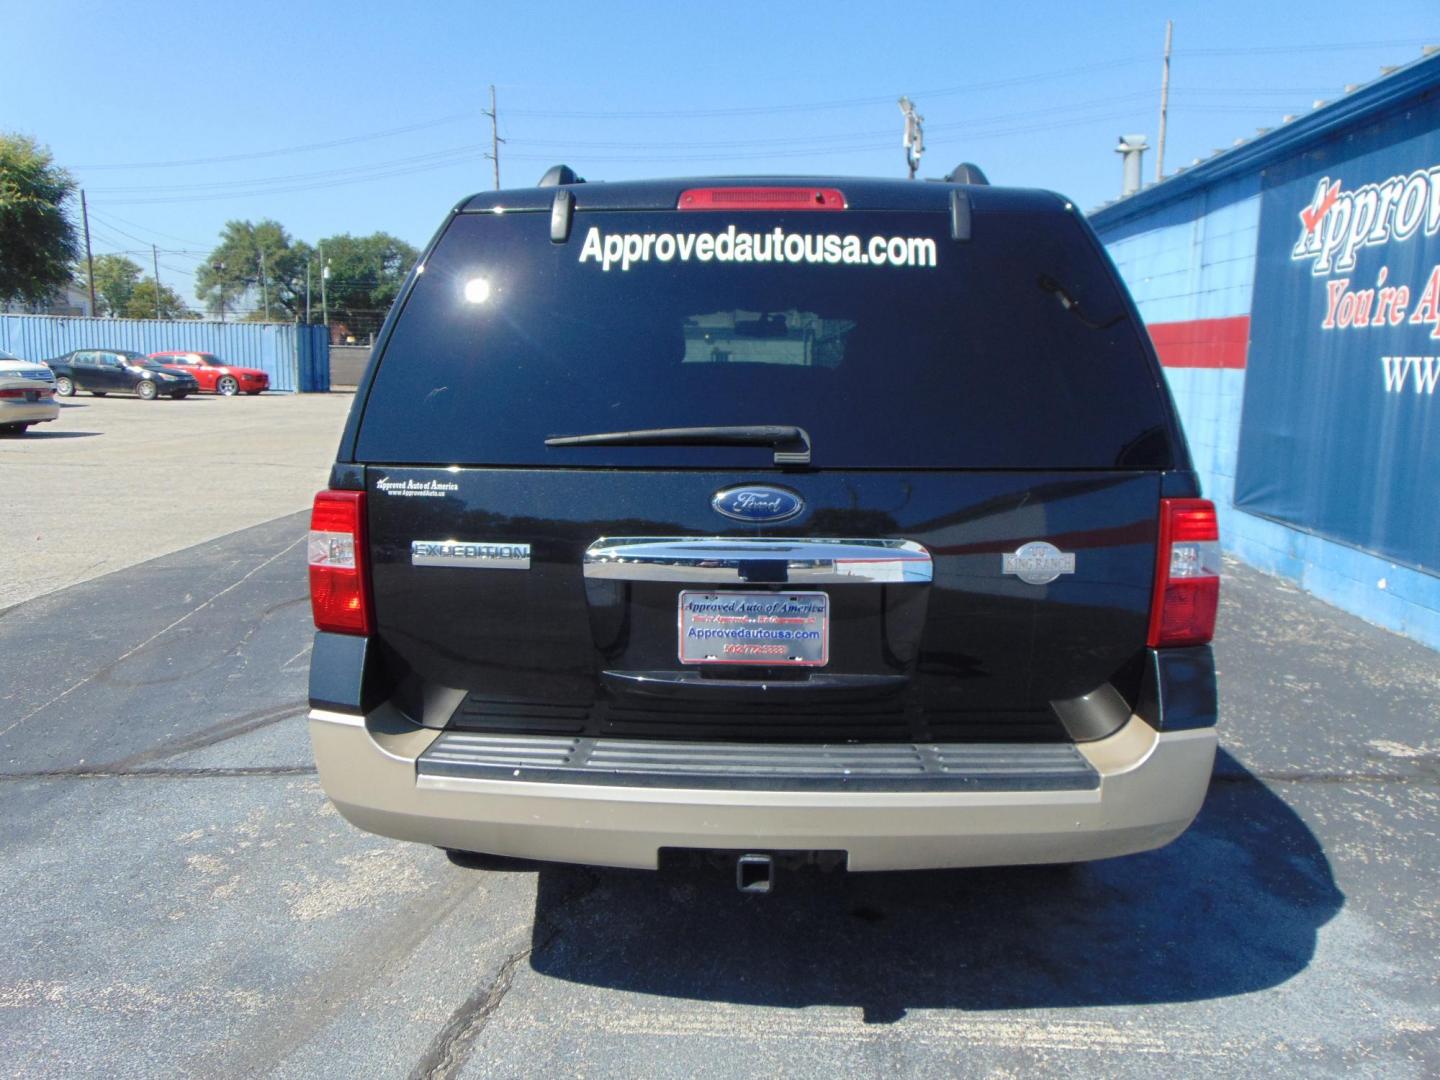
(101,772)
(159,633)
(451,1047)
(272,1038)
(1322,778)
(222,731)
(453,1043)
(132,766)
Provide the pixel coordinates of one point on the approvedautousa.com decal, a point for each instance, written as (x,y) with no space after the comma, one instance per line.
(776,245)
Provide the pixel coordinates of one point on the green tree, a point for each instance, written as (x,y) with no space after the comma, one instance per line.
(115,280)
(366,273)
(142,305)
(255,263)
(37,239)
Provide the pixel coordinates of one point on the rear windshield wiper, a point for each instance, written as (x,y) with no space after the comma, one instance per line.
(1070,304)
(792,444)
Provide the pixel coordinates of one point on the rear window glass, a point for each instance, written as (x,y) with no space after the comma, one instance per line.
(889,342)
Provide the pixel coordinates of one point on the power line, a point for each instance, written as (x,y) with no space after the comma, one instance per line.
(816,106)
(469,150)
(455,155)
(148,229)
(973,133)
(1260,50)
(329,144)
(298,187)
(111,225)
(837,142)
(848,137)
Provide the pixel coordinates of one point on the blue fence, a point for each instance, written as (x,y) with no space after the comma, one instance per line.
(295,357)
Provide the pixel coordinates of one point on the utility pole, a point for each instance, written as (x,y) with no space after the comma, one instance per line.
(264,285)
(495,139)
(155,262)
(914,139)
(89,258)
(219,268)
(307,291)
(324,302)
(1164,105)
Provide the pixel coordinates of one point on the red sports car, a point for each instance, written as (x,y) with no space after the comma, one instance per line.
(213,374)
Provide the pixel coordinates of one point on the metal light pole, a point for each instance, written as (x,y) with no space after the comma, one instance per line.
(914,138)
(324,299)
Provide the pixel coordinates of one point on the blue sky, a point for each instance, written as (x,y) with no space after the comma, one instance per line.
(178,117)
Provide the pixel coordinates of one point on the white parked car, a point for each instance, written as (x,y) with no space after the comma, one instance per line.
(27,394)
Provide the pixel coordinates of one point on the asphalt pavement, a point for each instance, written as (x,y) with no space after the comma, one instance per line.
(179,899)
(117,480)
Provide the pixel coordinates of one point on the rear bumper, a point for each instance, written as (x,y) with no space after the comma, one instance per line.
(1151,787)
(28,412)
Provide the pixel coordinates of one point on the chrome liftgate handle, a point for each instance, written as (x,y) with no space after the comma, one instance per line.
(757,560)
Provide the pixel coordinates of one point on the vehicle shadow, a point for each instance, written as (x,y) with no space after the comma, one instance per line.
(36,434)
(1231,907)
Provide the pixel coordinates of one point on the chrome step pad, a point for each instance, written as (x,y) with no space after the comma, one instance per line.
(760,766)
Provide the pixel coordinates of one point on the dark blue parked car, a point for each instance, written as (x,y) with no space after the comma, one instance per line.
(118,371)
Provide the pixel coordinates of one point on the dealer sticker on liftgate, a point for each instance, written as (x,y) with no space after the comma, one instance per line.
(791,629)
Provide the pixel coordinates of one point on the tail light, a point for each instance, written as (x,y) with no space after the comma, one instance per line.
(1187,574)
(339,581)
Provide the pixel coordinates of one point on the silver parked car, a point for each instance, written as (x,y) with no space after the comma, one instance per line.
(27,394)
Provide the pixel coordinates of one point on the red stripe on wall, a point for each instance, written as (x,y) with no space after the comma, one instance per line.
(1202,343)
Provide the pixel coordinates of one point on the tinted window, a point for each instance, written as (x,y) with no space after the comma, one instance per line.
(962,355)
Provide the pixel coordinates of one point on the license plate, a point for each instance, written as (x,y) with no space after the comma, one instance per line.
(780,629)
(32,395)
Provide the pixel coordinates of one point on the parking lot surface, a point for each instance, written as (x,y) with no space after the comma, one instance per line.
(118,480)
(179,899)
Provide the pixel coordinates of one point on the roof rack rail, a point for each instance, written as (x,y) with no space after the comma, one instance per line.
(966,173)
(559,174)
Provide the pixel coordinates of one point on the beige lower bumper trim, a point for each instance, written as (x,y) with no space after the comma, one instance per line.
(1152,786)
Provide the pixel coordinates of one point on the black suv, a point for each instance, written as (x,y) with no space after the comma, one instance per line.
(765,517)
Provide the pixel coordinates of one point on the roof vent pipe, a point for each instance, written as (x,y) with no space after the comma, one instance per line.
(1132,148)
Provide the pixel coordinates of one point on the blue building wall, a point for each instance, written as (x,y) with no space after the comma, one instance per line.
(1190,262)
(295,357)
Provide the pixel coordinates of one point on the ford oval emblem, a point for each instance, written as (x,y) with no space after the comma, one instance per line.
(757,502)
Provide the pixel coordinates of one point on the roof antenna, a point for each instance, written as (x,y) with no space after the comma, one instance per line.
(914,139)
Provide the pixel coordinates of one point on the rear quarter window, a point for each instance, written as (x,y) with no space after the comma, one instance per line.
(922,352)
